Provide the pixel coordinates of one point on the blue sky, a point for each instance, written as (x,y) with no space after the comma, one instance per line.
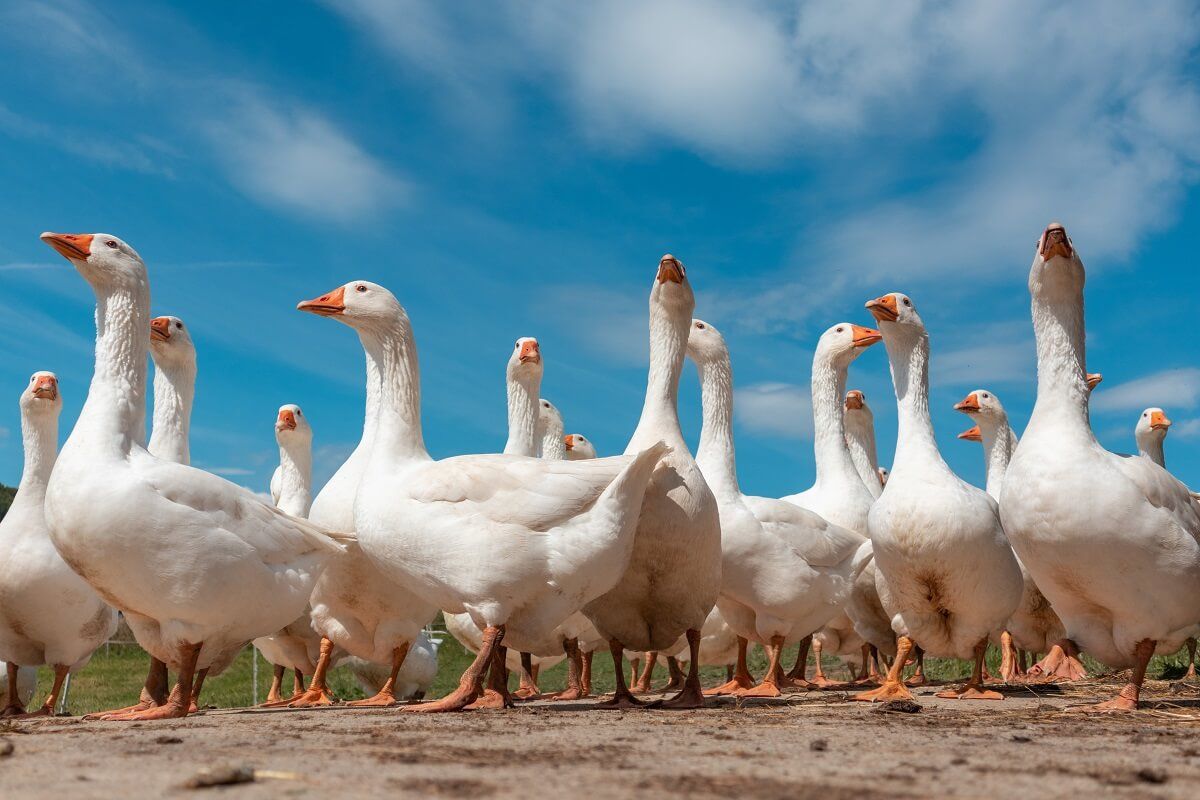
(518,169)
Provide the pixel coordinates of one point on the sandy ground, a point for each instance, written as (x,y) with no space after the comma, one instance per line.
(805,745)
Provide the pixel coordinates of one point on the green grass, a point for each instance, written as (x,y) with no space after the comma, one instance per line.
(115,674)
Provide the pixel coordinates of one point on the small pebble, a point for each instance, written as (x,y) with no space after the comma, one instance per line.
(1019,738)
(899,707)
(220,776)
(168,740)
(818,745)
(1152,775)
(958,761)
(6,749)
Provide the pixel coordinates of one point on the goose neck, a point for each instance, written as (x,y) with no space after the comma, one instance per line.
(1062,394)
(716,455)
(295,479)
(523,394)
(392,355)
(114,414)
(908,356)
(860,439)
(834,466)
(174,389)
(39,434)
(668,345)
(1152,449)
(553,446)
(999,443)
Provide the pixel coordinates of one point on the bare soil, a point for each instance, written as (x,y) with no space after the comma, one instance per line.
(804,745)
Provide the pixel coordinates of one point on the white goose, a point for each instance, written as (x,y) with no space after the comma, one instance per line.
(785,571)
(484,534)
(579,448)
(413,680)
(199,565)
(48,614)
(1033,626)
(674,576)
(1113,542)
(298,646)
(949,575)
(860,441)
(26,687)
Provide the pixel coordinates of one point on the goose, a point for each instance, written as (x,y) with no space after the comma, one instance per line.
(481,533)
(1033,627)
(674,575)
(26,687)
(785,571)
(199,565)
(48,614)
(860,441)
(578,447)
(1150,433)
(470,636)
(719,646)
(298,646)
(950,577)
(1112,541)
(413,680)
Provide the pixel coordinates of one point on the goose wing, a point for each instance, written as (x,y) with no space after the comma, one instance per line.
(816,540)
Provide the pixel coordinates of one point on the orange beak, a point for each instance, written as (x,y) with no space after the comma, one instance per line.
(1055,242)
(286,421)
(854,400)
(1093,380)
(884,308)
(569,441)
(972,435)
(530,352)
(160,329)
(865,337)
(969,405)
(1159,421)
(46,388)
(327,305)
(670,269)
(72,246)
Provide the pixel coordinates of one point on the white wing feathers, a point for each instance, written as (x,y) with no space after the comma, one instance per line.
(827,545)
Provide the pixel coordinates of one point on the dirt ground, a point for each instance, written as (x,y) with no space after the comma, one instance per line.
(804,745)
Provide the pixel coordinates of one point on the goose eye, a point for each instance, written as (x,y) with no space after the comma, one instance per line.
(700,325)
(179,325)
(839,330)
(360,288)
(111,243)
(906,302)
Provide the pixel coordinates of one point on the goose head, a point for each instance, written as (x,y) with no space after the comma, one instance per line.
(1094,379)
(705,343)
(895,313)
(1152,426)
(101,258)
(525,363)
(984,406)
(363,305)
(41,398)
(170,342)
(842,343)
(291,427)
(672,289)
(884,474)
(548,414)
(1057,272)
(857,410)
(578,447)
(972,434)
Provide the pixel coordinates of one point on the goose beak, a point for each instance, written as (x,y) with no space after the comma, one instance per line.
(327,305)
(968,405)
(670,269)
(530,352)
(1094,379)
(854,400)
(1055,242)
(71,246)
(865,337)
(286,421)
(46,387)
(1159,421)
(884,308)
(569,441)
(160,329)
(972,435)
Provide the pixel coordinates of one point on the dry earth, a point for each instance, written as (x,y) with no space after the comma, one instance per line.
(806,745)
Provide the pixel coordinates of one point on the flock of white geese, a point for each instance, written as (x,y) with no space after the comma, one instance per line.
(545,552)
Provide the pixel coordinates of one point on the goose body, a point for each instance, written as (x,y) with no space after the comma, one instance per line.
(48,614)
(198,565)
(414,679)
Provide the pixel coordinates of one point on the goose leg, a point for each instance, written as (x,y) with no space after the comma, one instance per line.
(741,679)
(1020,663)
(800,670)
(47,708)
(893,688)
(692,695)
(154,692)
(622,697)
(528,688)
(386,695)
(470,685)
(1010,659)
(273,695)
(585,677)
(197,685)
(819,680)
(496,695)
(642,684)
(676,682)
(635,669)
(864,674)
(318,693)
(729,672)
(15,707)
(1129,696)
(180,699)
(918,678)
(1060,664)
(574,690)
(297,683)
(874,674)
(1190,675)
(974,690)
(771,682)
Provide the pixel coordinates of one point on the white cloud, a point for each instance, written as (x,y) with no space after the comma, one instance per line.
(91,145)
(1001,353)
(783,409)
(1172,388)
(230,471)
(1188,429)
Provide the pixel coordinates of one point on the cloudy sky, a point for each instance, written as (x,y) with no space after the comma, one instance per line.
(517,169)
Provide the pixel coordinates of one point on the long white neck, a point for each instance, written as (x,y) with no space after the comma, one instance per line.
(999,444)
(392,355)
(174,388)
(1062,393)
(860,440)
(295,478)
(114,415)
(524,391)
(39,434)
(716,455)
(835,469)
(1152,448)
(553,446)
(660,411)
(908,355)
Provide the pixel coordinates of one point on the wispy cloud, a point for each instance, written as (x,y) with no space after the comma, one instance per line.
(1188,429)
(229,471)
(90,145)
(1172,388)
(782,409)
